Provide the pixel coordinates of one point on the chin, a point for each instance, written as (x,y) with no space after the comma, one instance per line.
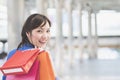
(43,46)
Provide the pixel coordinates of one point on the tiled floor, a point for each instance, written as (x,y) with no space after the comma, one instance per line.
(89,70)
(91,78)
(93,70)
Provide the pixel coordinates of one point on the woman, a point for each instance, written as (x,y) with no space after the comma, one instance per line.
(35,34)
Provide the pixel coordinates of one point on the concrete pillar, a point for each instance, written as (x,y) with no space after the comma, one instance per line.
(15,22)
(59,37)
(51,3)
(90,50)
(70,24)
(95,37)
(40,5)
(80,37)
(91,43)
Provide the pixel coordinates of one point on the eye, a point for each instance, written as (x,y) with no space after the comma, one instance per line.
(39,31)
(48,30)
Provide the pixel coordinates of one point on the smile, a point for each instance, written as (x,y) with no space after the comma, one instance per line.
(42,42)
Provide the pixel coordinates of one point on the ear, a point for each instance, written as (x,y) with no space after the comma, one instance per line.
(28,34)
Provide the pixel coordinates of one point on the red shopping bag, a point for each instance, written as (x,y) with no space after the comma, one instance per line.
(33,74)
(20,62)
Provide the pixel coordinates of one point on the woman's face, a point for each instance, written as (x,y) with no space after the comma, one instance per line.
(40,36)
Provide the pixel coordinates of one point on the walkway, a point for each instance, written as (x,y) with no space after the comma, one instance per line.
(90,70)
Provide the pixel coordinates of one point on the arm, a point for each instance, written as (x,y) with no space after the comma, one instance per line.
(9,55)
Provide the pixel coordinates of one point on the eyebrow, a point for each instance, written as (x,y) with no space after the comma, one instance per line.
(43,28)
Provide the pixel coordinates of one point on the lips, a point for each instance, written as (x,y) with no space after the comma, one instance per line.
(42,42)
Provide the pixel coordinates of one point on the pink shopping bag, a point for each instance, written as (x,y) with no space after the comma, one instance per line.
(33,74)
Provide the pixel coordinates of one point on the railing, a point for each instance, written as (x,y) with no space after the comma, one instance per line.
(103,42)
(3,53)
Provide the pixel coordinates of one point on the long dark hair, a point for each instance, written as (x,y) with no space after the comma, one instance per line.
(32,22)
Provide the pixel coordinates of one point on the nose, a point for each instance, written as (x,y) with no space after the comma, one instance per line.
(44,37)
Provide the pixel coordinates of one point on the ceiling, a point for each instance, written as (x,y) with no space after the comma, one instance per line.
(97,5)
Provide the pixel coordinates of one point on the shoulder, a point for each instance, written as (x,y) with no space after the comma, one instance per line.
(11,53)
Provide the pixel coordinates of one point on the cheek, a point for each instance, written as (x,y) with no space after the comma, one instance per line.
(48,36)
(35,37)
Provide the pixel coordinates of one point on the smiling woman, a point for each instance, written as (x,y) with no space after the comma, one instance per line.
(39,36)
(35,34)
(36,31)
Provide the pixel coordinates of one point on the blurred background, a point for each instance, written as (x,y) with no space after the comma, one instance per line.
(85,35)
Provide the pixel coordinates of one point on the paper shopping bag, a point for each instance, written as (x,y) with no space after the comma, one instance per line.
(46,70)
(20,62)
(33,74)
